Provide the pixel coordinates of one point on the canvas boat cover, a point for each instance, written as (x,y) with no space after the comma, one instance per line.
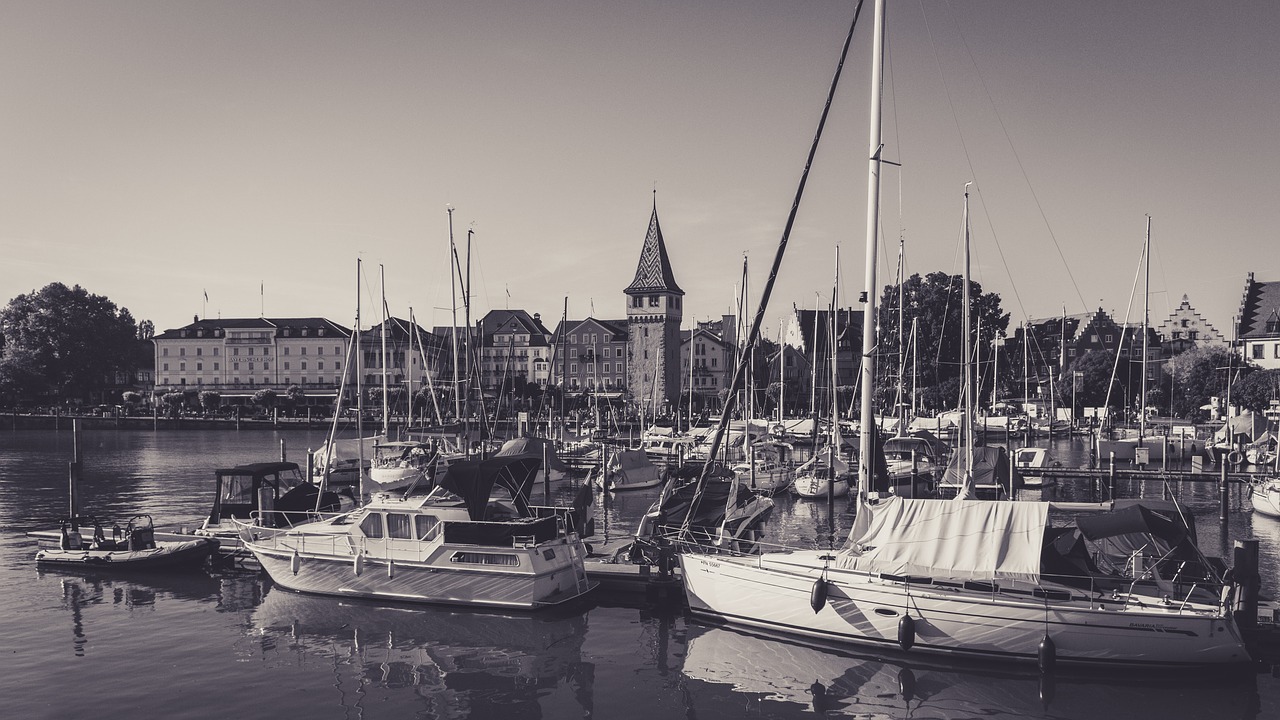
(1248,424)
(347,450)
(532,447)
(962,539)
(631,467)
(990,468)
(473,481)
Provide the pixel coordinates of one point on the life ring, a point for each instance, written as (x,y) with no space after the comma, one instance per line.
(1235,457)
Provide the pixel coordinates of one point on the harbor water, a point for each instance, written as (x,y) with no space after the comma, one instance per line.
(229,644)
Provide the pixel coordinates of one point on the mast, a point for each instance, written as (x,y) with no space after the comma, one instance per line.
(453,327)
(874,145)
(902,355)
(386,414)
(359,385)
(966,422)
(835,374)
(1146,318)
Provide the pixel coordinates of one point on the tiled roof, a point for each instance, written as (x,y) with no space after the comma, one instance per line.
(276,324)
(1261,301)
(653,273)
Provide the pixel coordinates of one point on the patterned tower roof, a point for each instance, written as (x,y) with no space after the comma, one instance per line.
(653,273)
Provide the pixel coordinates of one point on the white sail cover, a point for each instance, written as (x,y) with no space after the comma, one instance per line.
(970,540)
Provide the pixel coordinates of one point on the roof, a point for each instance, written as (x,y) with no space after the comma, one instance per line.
(617,328)
(653,273)
(1260,304)
(513,320)
(277,325)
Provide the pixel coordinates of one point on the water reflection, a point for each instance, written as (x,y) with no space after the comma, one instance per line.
(791,677)
(455,663)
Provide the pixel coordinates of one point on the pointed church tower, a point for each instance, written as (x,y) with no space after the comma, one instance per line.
(654,313)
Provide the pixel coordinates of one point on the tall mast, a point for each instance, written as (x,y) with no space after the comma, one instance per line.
(386,415)
(867,421)
(902,355)
(453,326)
(1146,318)
(359,386)
(966,352)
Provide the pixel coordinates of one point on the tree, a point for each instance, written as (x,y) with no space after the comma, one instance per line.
(1255,390)
(146,330)
(265,398)
(936,302)
(210,400)
(64,341)
(1199,374)
(1091,388)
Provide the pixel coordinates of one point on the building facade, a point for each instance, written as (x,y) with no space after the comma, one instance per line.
(238,357)
(591,355)
(1185,329)
(1258,324)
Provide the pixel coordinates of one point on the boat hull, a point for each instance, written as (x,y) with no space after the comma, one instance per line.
(1265,497)
(867,610)
(437,580)
(808,486)
(188,554)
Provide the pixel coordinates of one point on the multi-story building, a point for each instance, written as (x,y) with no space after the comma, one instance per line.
(654,314)
(591,355)
(513,347)
(1258,324)
(409,357)
(238,357)
(710,345)
(1185,328)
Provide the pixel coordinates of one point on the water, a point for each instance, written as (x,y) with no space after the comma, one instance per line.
(231,645)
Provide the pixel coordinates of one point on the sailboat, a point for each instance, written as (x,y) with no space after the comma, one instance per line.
(826,474)
(1127,448)
(980,579)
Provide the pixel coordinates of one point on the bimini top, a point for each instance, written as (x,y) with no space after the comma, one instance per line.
(964,539)
(473,481)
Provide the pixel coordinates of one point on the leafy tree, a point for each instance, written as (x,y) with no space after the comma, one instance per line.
(935,300)
(265,398)
(1255,390)
(1199,374)
(1091,389)
(64,341)
(210,400)
(146,330)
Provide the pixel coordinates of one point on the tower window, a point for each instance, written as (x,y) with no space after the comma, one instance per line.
(653,301)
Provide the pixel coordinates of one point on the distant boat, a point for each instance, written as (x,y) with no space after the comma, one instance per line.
(631,470)
(1030,459)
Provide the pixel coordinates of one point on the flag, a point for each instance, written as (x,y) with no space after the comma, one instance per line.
(206,296)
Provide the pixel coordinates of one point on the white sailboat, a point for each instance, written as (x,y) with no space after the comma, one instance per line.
(980,579)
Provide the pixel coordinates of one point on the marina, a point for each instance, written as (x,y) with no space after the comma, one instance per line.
(612,653)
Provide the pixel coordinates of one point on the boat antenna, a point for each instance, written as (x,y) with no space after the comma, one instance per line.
(740,370)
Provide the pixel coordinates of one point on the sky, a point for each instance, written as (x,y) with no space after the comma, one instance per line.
(158,151)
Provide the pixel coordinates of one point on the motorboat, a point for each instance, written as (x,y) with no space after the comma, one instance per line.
(906,457)
(265,494)
(665,448)
(457,544)
(132,546)
(1030,459)
(1124,587)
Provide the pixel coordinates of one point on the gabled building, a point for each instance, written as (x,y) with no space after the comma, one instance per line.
(513,347)
(1258,324)
(654,314)
(1185,329)
(591,355)
(710,348)
(811,333)
(240,356)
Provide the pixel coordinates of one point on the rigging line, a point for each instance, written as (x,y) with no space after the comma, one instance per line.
(1021,168)
(740,370)
(1115,368)
(986,211)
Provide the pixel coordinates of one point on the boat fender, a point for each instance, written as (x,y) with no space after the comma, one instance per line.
(1047,654)
(357,565)
(391,570)
(906,632)
(295,562)
(1047,690)
(907,684)
(1234,457)
(818,596)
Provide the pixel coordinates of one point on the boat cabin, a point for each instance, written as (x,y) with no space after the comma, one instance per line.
(274,493)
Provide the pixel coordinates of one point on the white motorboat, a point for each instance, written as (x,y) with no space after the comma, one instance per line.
(1030,459)
(768,469)
(267,494)
(453,545)
(1123,588)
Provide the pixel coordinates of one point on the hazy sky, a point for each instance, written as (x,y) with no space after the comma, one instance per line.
(154,151)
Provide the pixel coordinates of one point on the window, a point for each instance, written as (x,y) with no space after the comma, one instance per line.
(182,352)
(199,367)
(320,365)
(235,366)
(266,366)
(286,364)
(215,352)
(1184,323)
(573,353)
(476,558)
(199,352)
(399,526)
(653,301)
(337,350)
(425,525)
(215,365)
(1259,351)
(165,352)
(573,368)
(166,369)
(319,351)
(304,350)
(304,364)
(337,366)
(618,352)
(1277,350)
(1193,334)
(235,351)
(371,526)
(251,351)
(286,349)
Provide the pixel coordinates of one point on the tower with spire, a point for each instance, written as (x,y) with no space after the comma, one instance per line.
(654,312)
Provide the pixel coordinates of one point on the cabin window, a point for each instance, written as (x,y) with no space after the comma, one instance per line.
(371,526)
(399,527)
(477,558)
(237,489)
(426,525)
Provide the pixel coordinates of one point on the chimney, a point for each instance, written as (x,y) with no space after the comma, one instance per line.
(195,319)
